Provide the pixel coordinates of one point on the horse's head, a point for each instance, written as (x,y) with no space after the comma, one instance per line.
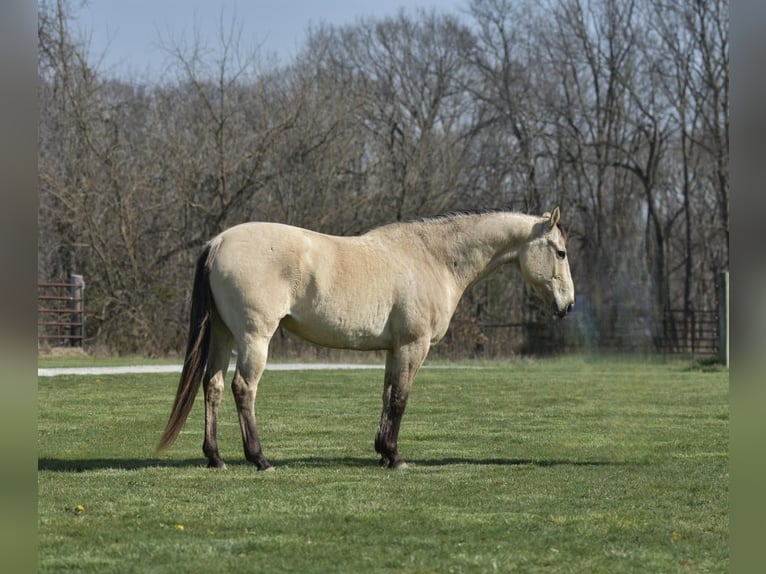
(543,262)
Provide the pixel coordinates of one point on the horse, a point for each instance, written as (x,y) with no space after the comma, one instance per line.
(394,288)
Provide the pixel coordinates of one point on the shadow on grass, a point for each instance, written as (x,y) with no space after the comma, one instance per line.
(89,464)
(449,461)
(514,462)
(85,465)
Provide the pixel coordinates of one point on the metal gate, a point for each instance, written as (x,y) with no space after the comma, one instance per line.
(61,313)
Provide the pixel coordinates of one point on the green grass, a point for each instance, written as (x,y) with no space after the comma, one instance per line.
(554,466)
(53,361)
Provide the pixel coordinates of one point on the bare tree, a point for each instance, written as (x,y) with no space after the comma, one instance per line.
(406,75)
(505,59)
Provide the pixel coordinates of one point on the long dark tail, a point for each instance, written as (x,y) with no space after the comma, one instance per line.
(197,349)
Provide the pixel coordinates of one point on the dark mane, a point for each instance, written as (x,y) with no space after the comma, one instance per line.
(447,217)
(462,213)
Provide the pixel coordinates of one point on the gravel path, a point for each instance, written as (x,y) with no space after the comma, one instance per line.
(120,370)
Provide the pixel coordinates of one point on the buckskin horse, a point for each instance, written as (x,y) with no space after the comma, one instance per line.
(393,288)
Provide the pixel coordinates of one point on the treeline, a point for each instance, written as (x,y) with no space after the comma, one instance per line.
(616,110)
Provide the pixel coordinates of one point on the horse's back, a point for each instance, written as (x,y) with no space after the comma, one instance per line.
(348,292)
(265,272)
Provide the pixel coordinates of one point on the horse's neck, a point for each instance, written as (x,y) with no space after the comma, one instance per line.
(475,245)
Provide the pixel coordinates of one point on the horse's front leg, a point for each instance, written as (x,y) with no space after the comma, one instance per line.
(402,364)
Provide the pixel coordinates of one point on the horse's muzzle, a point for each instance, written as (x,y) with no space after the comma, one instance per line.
(561,313)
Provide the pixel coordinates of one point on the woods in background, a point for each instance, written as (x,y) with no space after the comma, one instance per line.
(616,110)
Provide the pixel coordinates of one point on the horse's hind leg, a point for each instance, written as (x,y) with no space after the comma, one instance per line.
(251,362)
(213,385)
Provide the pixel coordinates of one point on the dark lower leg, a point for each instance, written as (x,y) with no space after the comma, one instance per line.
(244,395)
(252,444)
(395,394)
(387,438)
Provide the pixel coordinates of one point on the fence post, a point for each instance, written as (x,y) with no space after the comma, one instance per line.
(723,319)
(694,332)
(77,330)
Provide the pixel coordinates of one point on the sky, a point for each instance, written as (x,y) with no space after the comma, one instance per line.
(126,37)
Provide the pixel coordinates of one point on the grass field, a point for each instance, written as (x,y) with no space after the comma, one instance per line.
(556,466)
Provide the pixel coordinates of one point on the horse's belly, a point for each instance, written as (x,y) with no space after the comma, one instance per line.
(339,332)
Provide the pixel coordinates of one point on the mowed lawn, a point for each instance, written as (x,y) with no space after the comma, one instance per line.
(562,465)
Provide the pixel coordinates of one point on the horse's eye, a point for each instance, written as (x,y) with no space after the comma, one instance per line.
(561,254)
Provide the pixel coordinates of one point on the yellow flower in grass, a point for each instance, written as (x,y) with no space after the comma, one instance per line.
(180,527)
(79,509)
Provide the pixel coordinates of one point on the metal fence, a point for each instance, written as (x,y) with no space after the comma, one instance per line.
(61,313)
(690,331)
(693,332)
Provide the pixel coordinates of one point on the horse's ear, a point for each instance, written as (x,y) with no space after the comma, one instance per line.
(554,217)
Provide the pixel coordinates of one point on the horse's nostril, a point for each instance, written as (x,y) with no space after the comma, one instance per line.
(570,307)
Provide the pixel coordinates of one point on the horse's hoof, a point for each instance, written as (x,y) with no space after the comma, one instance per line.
(268,468)
(216,464)
(399,464)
